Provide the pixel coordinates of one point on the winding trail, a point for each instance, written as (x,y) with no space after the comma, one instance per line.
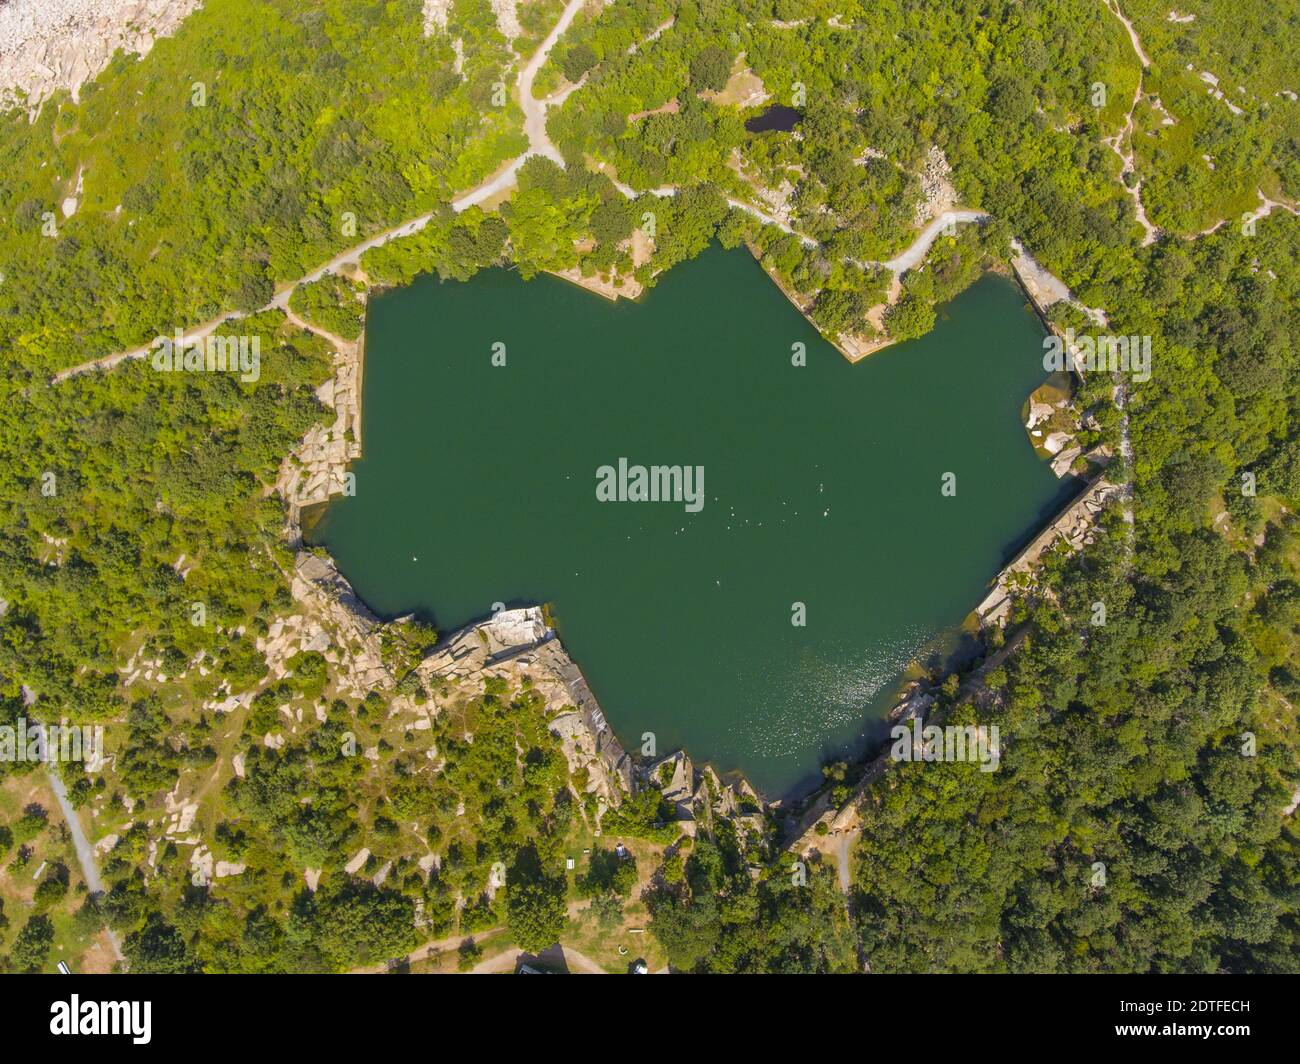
(1264,209)
(85,852)
(1120,391)
(906,260)
(1149,232)
(1113,7)
(539,143)
(428,949)
(535,110)
(914,255)
(843,853)
(505,178)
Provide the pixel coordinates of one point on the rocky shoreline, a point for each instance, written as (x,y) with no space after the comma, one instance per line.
(317,469)
(519,646)
(1075,525)
(515,645)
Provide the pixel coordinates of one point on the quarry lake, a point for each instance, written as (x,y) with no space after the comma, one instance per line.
(821,486)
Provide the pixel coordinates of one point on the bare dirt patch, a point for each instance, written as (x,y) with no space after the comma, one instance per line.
(98,958)
(669,108)
(743,89)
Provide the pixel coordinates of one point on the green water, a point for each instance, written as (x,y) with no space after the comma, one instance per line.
(478,485)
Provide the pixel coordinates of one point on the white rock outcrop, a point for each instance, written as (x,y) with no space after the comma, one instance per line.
(507,18)
(47,45)
(435,15)
(318,467)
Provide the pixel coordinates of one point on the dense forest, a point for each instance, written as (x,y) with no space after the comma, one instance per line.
(1136,823)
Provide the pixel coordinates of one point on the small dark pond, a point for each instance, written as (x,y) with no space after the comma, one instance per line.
(777,117)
